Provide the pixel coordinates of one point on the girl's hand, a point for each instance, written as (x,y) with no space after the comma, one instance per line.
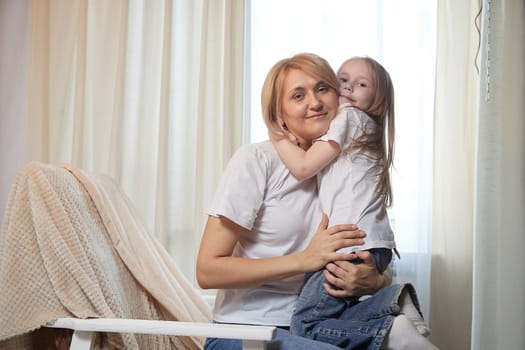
(291,137)
(348,279)
(282,134)
(322,249)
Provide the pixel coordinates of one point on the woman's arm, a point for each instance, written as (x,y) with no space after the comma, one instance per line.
(218,269)
(355,279)
(305,164)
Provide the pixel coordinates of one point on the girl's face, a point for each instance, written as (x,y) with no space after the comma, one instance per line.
(308,105)
(356,84)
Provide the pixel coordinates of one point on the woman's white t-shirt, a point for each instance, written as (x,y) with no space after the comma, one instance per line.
(259,193)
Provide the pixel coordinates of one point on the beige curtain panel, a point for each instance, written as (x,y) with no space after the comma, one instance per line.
(479,166)
(148,92)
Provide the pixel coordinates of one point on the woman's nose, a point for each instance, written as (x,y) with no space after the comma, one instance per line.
(315,101)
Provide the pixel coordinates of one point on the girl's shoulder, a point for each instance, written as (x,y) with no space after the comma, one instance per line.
(352,118)
(355,113)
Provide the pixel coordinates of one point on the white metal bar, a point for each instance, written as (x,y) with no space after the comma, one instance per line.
(82,341)
(198,329)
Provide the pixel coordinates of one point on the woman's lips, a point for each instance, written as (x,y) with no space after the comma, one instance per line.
(317,116)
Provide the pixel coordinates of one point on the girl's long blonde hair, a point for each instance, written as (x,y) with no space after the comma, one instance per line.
(380,143)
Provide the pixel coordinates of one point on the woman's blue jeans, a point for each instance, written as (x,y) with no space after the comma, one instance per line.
(283,341)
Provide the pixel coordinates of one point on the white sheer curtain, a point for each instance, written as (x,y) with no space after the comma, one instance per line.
(148,92)
(453,185)
(498,319)
(479,166)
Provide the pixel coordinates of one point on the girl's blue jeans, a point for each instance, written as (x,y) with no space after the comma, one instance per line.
(348,323)
(360,325)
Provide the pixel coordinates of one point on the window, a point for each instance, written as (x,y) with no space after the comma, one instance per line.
(401,35)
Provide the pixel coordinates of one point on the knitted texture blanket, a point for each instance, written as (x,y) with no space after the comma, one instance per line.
(72,245)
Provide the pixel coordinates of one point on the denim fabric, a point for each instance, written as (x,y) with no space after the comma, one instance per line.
(348,323)
(382,257)
(283,341)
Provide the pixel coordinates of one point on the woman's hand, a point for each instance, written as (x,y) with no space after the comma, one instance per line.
(323,246)
(354,279)
(217,268)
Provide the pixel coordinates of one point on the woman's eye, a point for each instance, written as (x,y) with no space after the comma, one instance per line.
(297,96)
(322,88)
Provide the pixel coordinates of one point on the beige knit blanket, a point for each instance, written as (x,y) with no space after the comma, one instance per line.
(72,245)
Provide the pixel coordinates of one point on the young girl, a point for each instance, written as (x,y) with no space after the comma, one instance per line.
(352,161)
(355,188)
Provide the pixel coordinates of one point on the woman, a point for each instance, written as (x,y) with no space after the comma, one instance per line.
(260,238)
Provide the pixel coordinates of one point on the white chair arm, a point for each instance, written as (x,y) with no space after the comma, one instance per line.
(253,336)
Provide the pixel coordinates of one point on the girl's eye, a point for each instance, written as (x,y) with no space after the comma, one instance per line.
(343,79)
(360,84)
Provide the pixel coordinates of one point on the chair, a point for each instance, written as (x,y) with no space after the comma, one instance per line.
(75,255)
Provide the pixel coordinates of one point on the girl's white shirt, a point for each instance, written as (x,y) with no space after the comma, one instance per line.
(347,186)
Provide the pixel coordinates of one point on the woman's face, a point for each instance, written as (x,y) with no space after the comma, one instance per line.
(308,106)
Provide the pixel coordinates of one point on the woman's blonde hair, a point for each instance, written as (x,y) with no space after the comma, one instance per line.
(380,143)
(272,91)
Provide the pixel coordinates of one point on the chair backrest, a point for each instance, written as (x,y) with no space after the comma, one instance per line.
(71,245)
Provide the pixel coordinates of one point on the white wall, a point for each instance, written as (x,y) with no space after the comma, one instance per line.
(14,15)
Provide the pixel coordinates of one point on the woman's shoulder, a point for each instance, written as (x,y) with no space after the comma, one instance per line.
(258,149)
(256,153)
(263,146)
